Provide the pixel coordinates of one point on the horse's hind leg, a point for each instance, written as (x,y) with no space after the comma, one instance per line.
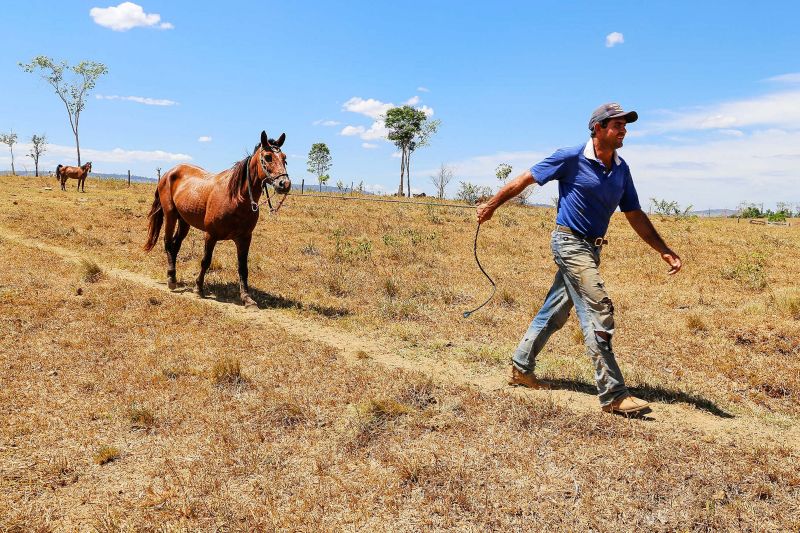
(169,239)
(205,263)
(242,250)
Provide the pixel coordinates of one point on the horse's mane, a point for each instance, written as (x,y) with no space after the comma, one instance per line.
(238,174)
(236,183)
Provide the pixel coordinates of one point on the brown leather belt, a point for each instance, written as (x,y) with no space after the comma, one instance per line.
(596,241)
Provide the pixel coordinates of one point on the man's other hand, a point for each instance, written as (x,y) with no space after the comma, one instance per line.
(673,260)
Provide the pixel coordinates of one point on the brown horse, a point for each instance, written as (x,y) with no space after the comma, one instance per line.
(224,206)
(63,173)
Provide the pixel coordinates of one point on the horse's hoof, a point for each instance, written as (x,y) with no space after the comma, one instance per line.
(172,285)
(249,303)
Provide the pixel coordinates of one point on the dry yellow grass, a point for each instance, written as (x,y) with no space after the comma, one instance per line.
(321,440)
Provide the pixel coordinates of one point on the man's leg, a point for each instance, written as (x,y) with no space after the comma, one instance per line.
(550,318)
(595,311)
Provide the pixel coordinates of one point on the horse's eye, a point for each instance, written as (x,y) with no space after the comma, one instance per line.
(268,158)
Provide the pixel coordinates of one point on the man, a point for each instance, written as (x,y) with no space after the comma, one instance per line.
(593,182)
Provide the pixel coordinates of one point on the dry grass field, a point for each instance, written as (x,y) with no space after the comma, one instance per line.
(358,398)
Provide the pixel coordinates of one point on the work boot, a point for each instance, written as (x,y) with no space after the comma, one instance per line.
(529,380)
(628,405)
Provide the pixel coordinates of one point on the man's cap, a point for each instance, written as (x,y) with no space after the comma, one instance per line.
(611,110)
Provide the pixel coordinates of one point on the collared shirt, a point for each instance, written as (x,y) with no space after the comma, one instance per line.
(588,192)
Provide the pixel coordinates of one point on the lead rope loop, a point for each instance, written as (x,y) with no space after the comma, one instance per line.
(494,287)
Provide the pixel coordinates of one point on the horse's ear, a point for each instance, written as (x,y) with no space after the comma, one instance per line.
(264,140)
(280,140)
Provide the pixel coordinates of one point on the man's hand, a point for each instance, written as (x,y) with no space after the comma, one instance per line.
(485,213)
(673,260)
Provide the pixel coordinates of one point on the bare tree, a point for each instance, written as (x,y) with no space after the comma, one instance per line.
(10,139)
(441,179)
(73,94)
(38,147)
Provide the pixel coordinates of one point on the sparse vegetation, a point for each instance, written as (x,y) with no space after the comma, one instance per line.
(90,271)
(359,415)
(106,454)
(227,371)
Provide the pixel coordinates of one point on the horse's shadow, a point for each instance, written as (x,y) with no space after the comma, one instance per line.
(649,393)
(229,293)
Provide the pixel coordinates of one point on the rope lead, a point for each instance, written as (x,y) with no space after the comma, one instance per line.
(494,287)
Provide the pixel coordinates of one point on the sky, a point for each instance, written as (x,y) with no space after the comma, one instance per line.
(716,85)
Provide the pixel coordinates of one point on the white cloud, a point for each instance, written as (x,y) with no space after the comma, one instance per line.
(375,188)
(370,107)
(139,99)
(614,38)
(368,146)
(126,16)
(423,89)
(326,123)
(204,139)
(349,131)
(427,110)
(760,166)
(777,110)
(110,161)
(376,110)
(791,78)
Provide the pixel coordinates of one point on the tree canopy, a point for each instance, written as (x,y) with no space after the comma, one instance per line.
(409,129)
(71,92)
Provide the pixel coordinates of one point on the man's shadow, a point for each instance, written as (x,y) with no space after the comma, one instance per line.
(649,393)
(229,293)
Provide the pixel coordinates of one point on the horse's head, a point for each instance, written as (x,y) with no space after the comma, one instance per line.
(272,163)
(88,167)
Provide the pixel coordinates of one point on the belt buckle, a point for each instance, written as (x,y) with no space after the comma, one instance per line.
(600,241)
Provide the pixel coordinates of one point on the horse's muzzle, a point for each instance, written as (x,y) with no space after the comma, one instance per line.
(283,186)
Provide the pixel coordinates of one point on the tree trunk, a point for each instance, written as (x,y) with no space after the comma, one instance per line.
(408,174)
(78,146)
(402,170)
(13,172)
(36,165)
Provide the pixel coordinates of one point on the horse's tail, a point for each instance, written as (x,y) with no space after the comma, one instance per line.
(156,217)
(58,171)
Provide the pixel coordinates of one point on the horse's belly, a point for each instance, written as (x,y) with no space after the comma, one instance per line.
(192,204)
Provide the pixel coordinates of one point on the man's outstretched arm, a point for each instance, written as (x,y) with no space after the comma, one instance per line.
(645,229)
(510,190)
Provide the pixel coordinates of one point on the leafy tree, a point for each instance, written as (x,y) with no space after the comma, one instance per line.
(323,180)
(502,171)
(667,208)
(441,179)
(72,93)
(10,139)
(319,162)
(471,193)
(409,129)
(38,147)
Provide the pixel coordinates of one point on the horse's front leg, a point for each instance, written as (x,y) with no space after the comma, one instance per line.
(242,250)
(204,264)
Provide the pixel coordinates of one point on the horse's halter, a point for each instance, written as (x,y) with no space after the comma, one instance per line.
(268,180)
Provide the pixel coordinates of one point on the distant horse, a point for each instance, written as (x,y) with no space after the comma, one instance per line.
(64,173)
(224,206)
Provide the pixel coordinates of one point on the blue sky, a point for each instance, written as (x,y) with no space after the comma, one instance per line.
(716,85)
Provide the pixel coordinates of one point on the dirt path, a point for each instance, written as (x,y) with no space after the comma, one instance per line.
(358,350)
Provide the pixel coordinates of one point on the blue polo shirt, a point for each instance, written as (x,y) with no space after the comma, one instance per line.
(588,193)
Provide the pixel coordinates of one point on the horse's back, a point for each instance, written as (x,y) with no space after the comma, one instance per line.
(186,189)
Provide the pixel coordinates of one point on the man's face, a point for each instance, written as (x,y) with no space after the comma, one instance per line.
(613,134)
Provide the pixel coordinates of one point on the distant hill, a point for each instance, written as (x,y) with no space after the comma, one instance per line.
(103,176)
(714,213)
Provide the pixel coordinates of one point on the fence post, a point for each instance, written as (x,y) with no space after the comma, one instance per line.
(302,185)
(129,178)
